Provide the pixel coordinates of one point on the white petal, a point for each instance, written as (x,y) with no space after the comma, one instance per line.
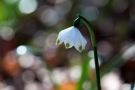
(83,41)
(80,41)
(62,36)
(70,39)
(78,45)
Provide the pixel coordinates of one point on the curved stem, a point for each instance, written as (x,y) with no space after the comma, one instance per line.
(95,49)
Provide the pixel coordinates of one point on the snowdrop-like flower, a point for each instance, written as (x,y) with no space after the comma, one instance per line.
(71,37)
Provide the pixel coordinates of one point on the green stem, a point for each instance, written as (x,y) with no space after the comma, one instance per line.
(95,49)
(85,69)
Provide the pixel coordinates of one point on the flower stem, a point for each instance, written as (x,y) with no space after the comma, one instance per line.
(95,49)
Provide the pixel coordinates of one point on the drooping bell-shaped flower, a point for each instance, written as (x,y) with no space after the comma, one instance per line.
(72,37)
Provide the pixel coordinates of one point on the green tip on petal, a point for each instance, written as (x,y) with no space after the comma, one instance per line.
(80,48)
(67,45)
(57,41)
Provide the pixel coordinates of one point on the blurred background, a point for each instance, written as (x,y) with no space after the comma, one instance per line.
(30,60)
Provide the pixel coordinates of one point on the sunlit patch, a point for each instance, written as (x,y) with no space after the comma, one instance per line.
(80,48)
(27,6)
(57,42)
(67,45)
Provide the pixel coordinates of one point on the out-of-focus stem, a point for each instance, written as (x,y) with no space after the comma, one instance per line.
(95,49)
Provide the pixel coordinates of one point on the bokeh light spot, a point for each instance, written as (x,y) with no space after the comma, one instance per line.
(27,6)
(75,72)
(111,81)
(21,50)
(32,86)
(91,54)
(91,13)
(28,76)
(92,63)
(7,33)
(64,7)
(26,60)
(119,6)
(49,17)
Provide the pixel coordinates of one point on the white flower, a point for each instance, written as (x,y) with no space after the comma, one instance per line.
(71,37)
